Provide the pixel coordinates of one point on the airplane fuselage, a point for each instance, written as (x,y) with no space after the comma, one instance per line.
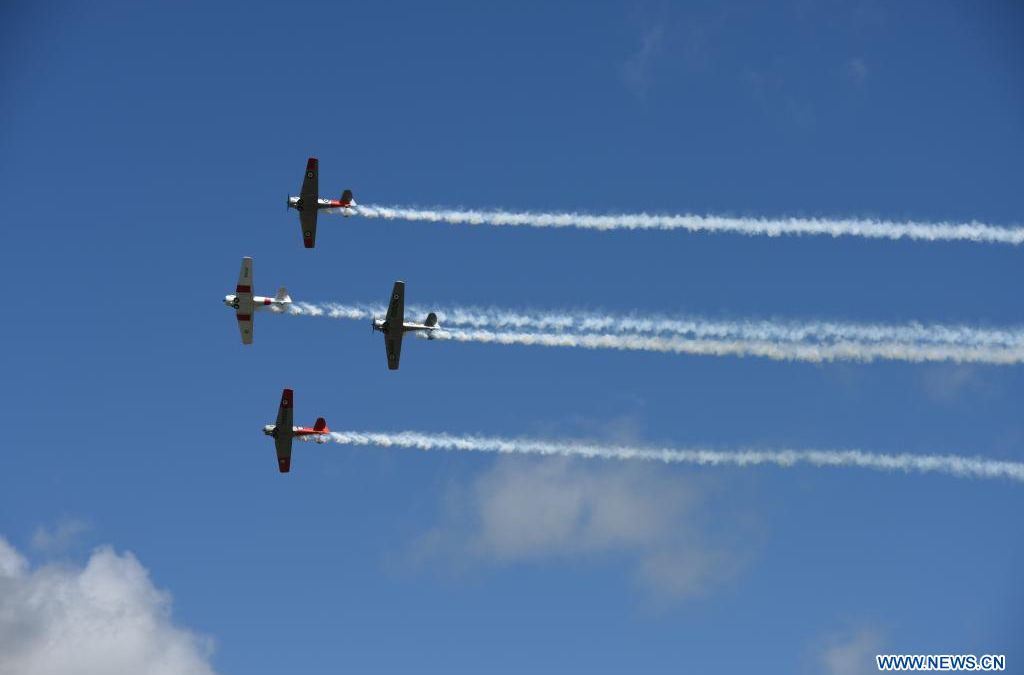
(382,326)
(299,204)
(258,301)
(272,430)
(296,431)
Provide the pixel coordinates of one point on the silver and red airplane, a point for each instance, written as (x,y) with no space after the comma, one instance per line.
(283,431)
(394,326)
(309,204)
(245,303)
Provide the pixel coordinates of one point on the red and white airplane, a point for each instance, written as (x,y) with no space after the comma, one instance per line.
(308,203)
(283,431)
(245,303)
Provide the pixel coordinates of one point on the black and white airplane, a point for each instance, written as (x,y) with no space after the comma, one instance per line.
(394,326)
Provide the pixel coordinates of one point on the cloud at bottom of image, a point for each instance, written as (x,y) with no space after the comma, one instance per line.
(100,618)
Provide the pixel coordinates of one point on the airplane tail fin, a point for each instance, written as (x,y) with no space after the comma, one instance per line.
(321,425)
(431,320)
(282,295)
(346,198)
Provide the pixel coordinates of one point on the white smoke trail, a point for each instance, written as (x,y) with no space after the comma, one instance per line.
(694,326)
(789,331)
(812,353)
(967,467)
(814,342)
(772,227)
(335,310)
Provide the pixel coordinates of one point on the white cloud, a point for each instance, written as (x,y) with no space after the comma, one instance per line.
(106,617)
(527,510)
(773,86)
(852,654)
(947,383)
(857,70)
(60,537)
(636,71)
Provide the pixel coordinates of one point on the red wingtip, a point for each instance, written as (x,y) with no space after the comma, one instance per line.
(284,465)
(287,396)
(311,164)
(308,243)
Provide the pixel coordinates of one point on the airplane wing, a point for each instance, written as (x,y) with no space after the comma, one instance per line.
(396,307)
(283,440)
(243,292)
(284,411)
(307,219)
(245,327)
(393,343)
(396,325)
(309,194)
(284,453)
(245,277)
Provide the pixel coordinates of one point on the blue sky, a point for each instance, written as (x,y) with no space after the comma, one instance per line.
(145,149)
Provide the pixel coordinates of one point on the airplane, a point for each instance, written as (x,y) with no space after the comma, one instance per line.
(394,326)
(245,303)
(308,203)
(283,431)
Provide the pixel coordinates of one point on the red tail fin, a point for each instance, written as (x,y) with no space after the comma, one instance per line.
(321,425)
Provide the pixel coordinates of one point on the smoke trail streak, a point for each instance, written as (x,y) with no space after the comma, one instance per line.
(772,227)
(695,326)
(789,331)
(812,353)
(779,342)
(964,467)
(337,311)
